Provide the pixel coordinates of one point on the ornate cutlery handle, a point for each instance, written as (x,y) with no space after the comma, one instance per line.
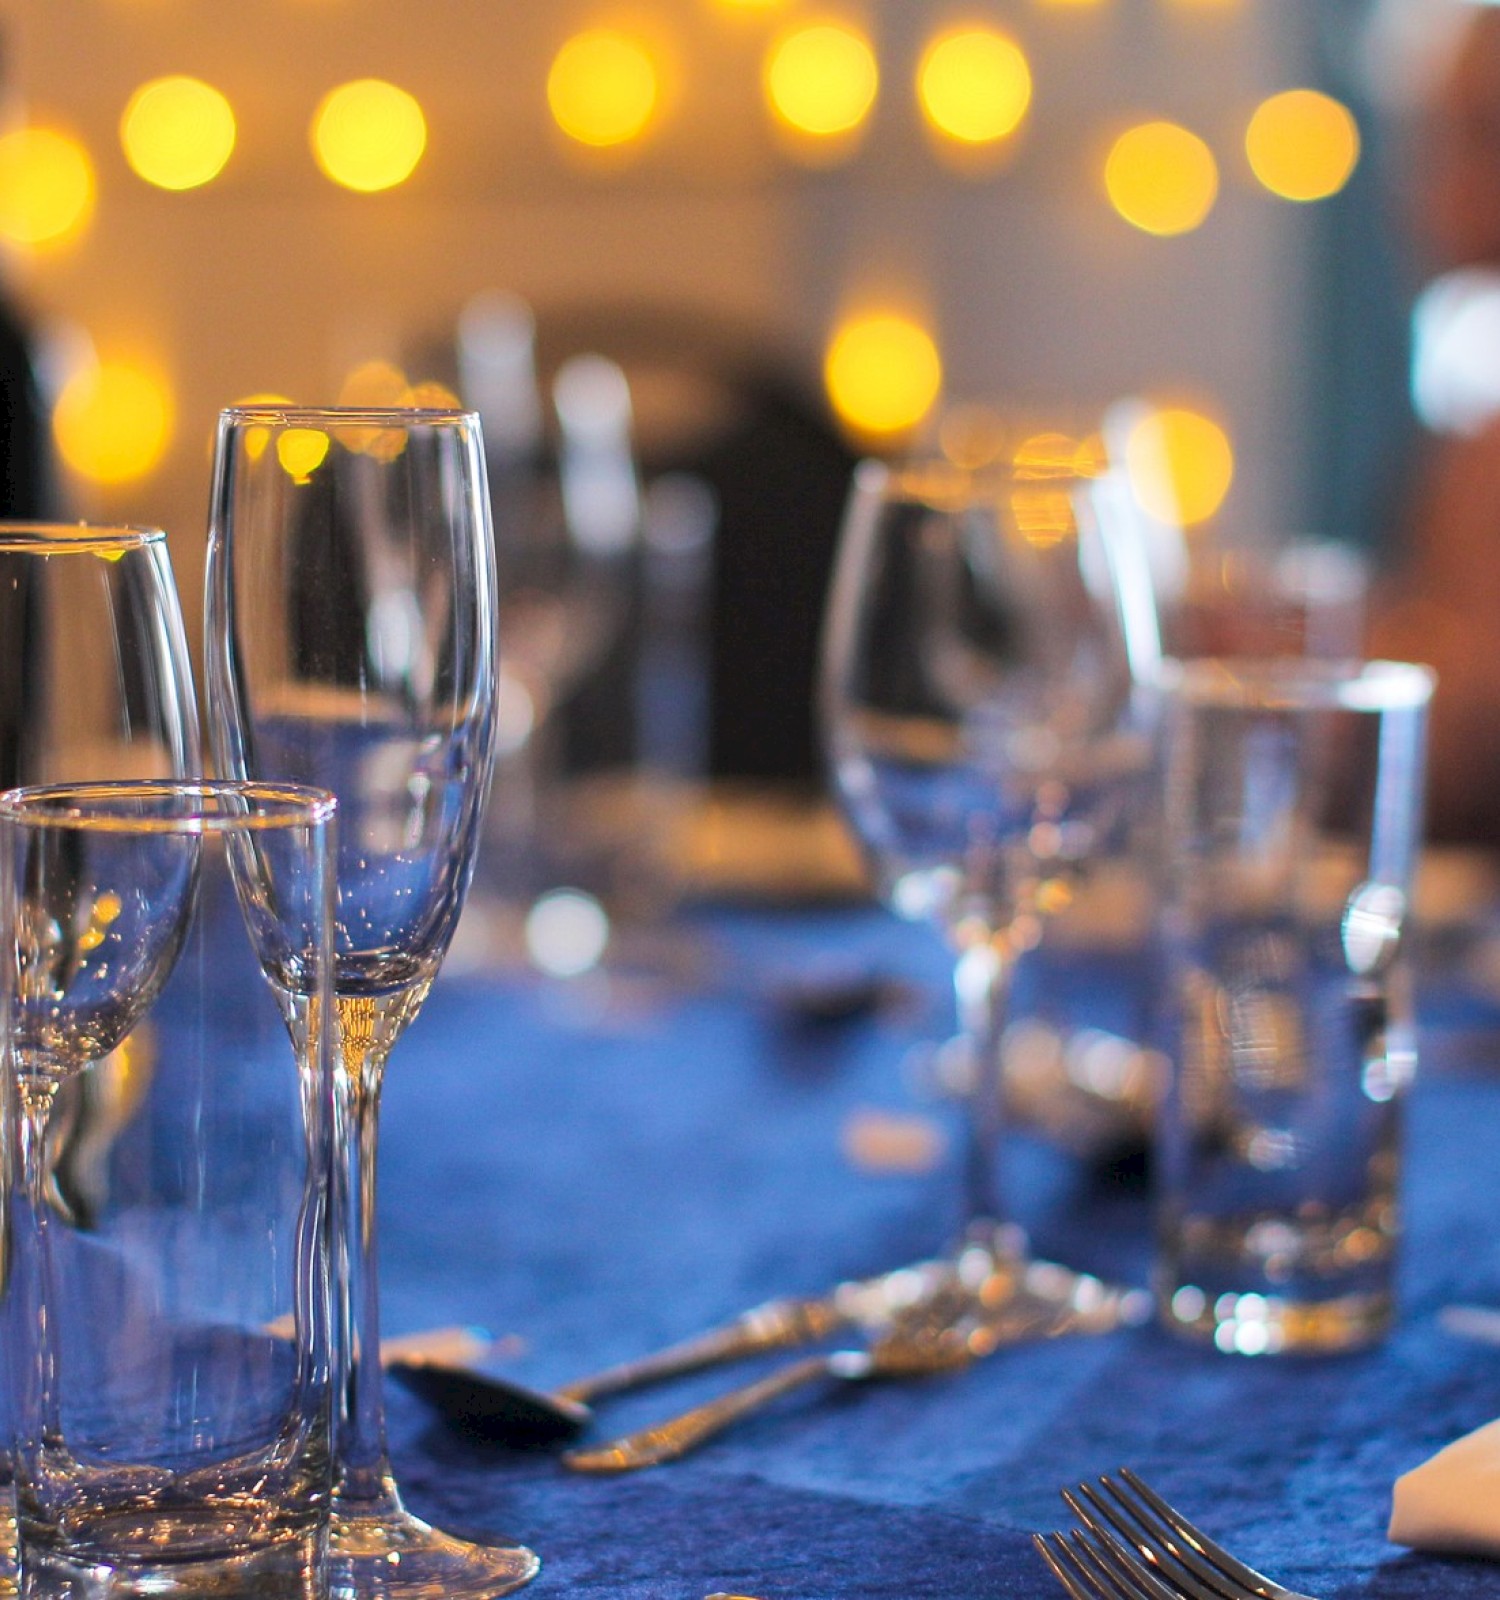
(668,1440)
(777,1325)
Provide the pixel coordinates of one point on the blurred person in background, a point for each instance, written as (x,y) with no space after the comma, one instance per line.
(1440,603)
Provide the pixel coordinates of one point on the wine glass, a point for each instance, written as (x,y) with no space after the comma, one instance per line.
(351,644)
(983,726)
(95,684)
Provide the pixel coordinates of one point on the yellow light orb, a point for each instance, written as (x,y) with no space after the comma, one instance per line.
(603,88)
(821,79)
(46,187)
(368,135)
(882,374)
(974,85)
(177,132)
(373,383)
(112,422)
(1161,178)
(1180,465)
(1302,145)
(256,439)
(301,452)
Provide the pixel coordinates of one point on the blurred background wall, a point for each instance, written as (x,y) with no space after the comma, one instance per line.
(713,226)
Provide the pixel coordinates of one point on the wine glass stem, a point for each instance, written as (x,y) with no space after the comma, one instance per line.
(981,982)
(36,1095)
(364,1472)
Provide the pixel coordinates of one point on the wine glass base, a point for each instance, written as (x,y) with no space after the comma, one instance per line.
(391,1555)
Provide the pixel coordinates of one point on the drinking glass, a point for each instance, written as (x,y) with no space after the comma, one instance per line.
(1292,806)
(351,644)
(983,727)
(171,1338)
(95,683)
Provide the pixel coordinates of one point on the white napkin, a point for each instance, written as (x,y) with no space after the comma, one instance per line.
(1451,1503)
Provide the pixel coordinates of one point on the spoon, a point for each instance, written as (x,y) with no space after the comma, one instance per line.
(494,1409)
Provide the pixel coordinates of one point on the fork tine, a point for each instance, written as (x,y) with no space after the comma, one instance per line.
(1131,1575)
(1255,1582)
(1063,1563)
(1184,1577)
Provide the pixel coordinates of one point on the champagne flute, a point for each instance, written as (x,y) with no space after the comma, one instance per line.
(980,717)
(351,644)
(95,684)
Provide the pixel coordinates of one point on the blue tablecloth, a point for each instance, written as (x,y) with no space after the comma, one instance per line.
(602,1172)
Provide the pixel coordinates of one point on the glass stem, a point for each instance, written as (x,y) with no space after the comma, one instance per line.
(39,1403)
(364,1470)
(981,982)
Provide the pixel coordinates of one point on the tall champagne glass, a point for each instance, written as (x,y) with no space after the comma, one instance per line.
(351,644)
(978,711)
(95,684)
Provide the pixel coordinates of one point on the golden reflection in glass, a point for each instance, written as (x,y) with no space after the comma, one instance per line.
(821,78)
(1050,455)
(603,88)
(1161,178)
(256,439)
(1180,465)
(974,85)
(882,373)
(1302,145)
(112,422)
(1043,515)
(46,187)
(301,451)
(368,135)
(177,132)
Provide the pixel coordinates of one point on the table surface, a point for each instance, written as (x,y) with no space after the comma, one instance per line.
(600,1168)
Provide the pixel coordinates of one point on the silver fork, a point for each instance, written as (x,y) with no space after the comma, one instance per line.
(1133,1546)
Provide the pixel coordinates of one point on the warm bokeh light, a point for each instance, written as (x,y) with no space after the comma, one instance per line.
(373,383)
(974,84)
(883,374)
(1180,464)
(431,395)
(112,422)
(1161,178)
(751,5)
(301,451)
(256,439)
(603,88)
(177,132)
(821,78)
(46,187)
(368,135)
(1302,145)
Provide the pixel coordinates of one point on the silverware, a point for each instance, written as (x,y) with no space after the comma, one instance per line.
(868,1304)
(956,1323)
(1133,1546)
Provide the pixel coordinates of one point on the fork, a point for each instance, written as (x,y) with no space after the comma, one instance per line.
(1132,1545)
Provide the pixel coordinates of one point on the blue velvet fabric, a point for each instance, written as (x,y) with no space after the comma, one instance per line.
(602,1171)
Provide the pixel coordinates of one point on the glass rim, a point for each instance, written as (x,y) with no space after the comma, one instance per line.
(939,482)
(103,807)
(1295,683)
(76,538)
(270,416)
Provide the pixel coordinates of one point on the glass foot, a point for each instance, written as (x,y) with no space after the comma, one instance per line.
(385,1553)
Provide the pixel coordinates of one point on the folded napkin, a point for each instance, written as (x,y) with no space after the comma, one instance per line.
(1451,1504)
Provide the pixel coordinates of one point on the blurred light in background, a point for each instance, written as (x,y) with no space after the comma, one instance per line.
(1302,145)
(177,132)
(301,451)
(1180,465)
(882,373)
(368,135)
(1161,178)
(1455,373)
(567,933)
(821,78)
(974,84)
(603,88)
(46,187)
(112,421)
(972,435)
(750,5)
(373,383)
